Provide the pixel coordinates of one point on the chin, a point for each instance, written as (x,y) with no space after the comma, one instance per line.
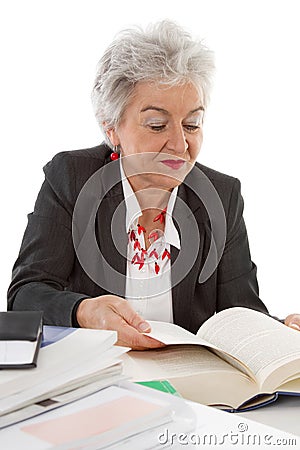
(163,182)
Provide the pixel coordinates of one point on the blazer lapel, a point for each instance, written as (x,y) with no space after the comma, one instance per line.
(112,237)
(191,223)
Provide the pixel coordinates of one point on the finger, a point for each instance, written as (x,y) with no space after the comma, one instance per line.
(151,343)
(132,318)
(293,321)
(129,336)
(294,325)
(157,345)
(135,339)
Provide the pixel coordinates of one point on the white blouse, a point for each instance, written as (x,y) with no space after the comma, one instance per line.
(148,273)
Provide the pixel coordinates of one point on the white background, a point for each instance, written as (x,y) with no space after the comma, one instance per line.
(49,51)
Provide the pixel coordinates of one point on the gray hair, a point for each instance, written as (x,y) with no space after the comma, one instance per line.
(163,52)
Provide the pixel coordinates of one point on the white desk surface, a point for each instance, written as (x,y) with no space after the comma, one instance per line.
(283,414)
(276,426)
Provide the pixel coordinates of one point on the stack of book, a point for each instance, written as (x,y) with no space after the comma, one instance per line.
(71,363)
(75,395)
(124,417)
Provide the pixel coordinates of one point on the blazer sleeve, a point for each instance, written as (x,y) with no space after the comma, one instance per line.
(40,274)
(236,278)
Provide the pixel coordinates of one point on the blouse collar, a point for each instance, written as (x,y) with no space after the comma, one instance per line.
(133,211)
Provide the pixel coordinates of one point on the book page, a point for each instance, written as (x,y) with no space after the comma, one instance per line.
(197,374)
(171,334)
(291,387)
(171,362)
(260,342)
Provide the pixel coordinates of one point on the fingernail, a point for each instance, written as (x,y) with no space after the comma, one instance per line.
(295,326)
(144,326)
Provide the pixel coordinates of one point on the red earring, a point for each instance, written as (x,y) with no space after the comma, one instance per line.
(115,154)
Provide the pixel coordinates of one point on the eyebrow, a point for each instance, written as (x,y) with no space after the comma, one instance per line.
(164,111)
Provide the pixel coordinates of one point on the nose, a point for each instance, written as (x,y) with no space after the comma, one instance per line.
(177,140)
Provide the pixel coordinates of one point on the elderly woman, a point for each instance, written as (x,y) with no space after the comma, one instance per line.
(135,229)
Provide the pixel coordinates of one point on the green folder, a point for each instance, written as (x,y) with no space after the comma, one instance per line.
(160,385)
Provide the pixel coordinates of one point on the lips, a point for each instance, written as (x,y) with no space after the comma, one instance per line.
(174,164)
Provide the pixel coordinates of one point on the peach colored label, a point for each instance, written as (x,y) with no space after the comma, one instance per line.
(91,421)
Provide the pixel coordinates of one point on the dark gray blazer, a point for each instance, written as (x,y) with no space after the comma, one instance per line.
(47,275)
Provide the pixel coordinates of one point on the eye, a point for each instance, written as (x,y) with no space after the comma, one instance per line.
(157,128)
(192,128)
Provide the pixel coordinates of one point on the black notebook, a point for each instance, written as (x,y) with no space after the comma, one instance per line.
(20,338)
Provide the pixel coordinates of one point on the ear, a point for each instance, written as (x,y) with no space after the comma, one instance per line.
(112,135)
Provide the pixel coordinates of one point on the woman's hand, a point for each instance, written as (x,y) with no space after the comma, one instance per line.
(109,312)
(293,321)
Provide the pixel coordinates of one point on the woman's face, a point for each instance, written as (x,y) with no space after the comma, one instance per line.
(160,134)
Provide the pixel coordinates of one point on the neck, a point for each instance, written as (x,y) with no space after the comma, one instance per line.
(152,198)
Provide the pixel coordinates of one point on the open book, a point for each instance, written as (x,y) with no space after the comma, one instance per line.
(239,359)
